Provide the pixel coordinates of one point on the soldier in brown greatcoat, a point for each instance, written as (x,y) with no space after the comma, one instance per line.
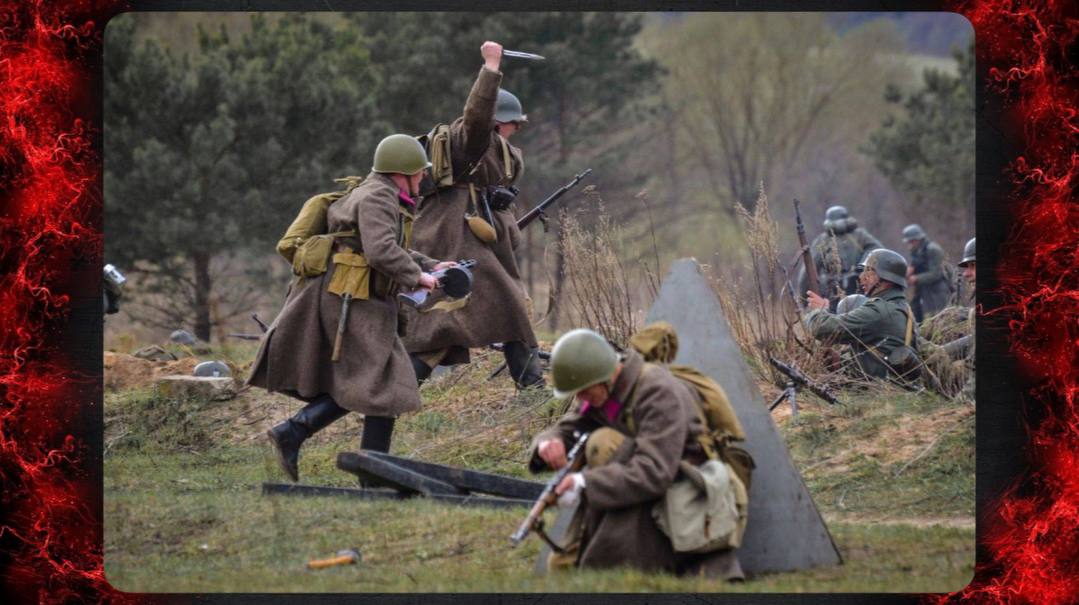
(370,261)
(643,423)
(479,160)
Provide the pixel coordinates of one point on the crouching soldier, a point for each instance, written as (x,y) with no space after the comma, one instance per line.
(334,344)
(880,332)
(642,455)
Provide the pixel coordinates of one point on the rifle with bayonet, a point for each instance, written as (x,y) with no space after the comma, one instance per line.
(812,280)
(797,379)
(534,520)
(537,211)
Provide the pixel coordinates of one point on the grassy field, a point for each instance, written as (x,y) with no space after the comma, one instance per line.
(893,477)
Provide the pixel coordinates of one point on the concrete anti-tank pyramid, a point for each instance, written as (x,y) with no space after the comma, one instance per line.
(785,531)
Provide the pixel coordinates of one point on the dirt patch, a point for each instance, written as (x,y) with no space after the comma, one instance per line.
(905,441)
(125,372)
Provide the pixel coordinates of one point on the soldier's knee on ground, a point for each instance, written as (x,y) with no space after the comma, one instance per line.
(602,445)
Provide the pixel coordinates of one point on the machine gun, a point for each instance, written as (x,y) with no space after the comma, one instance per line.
(537,211)
(795,380)
(534,520)
(454,282)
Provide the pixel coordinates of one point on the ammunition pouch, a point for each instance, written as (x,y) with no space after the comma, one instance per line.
(311,257)
(500,197)
(351,275)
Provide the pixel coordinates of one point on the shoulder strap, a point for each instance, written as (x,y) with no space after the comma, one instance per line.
(507,161)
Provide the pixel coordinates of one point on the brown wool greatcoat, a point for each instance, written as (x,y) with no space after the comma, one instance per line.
(374,375)
(497,309)
(614,520)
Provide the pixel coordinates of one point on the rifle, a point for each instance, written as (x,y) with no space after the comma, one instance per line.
(265,328)
(534,520)
(807,257)
(798,379)
(537,211)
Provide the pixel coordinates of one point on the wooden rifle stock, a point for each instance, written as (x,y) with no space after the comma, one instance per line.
(534,520)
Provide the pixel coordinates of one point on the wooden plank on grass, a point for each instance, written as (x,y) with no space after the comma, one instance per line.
(473,481)
(368,467)
(299,489)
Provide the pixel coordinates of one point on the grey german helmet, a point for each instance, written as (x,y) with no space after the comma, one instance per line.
(837,219)
(913,232)
(889,265)
(508,108)
(850,302)
(968,254)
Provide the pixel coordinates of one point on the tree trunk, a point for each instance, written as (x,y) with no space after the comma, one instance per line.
(203,290)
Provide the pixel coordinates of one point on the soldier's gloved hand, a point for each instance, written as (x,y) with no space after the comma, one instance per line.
(553,452)
(492,55)
(569,490)
(428,281)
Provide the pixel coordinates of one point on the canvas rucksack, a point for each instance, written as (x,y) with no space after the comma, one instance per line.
(306,245)
(658,343)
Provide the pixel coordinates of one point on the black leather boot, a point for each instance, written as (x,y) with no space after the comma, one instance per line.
(523,363)
(423,371)
(288,436)
(377,431)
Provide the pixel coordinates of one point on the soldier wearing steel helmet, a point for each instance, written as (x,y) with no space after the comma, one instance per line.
(927,278)
(968,265)
(836,251)
(469,213)
(643,423)
(948,339)
(881,333)
(370,260)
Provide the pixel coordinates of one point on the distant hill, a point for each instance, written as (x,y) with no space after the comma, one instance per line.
(926,33)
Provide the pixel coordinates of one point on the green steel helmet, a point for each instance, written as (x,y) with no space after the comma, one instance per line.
(580,359)
(402,154)
(913,232)
(508,108)
(850,302)
(889,265)
(968,254)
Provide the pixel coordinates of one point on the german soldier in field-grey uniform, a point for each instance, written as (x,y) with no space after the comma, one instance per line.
(881,332)
(370,261)
(926,274)
(469,215)
(836,252)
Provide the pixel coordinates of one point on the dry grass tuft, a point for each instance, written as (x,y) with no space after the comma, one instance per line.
(599,286)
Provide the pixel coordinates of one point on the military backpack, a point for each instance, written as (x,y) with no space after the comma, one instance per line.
(306,245)
(658,344)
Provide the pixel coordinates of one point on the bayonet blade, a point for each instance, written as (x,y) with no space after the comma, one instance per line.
(521,55)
